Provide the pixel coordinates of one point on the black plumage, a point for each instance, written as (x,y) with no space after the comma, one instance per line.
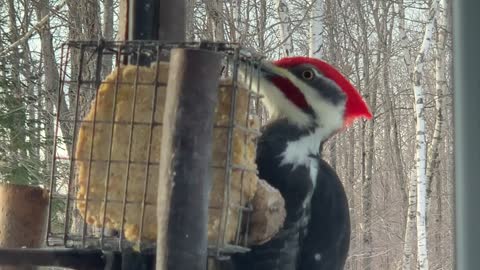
(327,243)
(316,232)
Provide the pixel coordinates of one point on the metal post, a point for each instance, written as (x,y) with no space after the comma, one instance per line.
(143,19)
(185,175)
(171,20)
(467,132)
(162,20)
(142,25)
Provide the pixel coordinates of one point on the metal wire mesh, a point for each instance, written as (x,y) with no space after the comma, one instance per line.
(83,71)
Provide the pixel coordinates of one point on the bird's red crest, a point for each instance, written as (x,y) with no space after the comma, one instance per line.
(355,106)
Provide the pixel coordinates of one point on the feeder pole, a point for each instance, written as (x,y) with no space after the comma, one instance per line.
(186,151)
(467,132)
(171,20)
(185,174)
(162,20)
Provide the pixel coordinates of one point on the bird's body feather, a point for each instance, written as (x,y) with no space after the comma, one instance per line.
(315,203)
(281,252)
(327,243)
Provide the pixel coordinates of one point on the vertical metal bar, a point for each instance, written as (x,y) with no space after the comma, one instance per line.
(72,155)
(185,174)
(246,134)
(109,160)
(98,70)
(129,159)
(228,161)
(258,112)
(54,153)
(467,132)
(257,100)
(150,142)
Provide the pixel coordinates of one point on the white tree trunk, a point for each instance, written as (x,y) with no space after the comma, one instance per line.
(316,29)
(421,144)
(285,28)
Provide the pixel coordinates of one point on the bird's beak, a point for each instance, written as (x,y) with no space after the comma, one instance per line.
(269,70)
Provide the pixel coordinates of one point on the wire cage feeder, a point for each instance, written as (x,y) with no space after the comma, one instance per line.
(106,147)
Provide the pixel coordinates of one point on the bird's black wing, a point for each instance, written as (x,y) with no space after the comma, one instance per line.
(282,251)
(326,244)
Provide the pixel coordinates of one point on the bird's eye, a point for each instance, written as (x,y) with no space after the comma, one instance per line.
(308,74)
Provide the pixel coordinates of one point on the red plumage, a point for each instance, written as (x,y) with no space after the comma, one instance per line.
(355,106)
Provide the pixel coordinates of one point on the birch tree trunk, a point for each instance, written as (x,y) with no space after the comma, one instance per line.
(316,29)
(421,144)
(286,45)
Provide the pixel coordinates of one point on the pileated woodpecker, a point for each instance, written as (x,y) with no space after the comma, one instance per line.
(308,101)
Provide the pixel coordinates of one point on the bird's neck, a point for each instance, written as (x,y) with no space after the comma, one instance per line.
(300,144)
(300,151)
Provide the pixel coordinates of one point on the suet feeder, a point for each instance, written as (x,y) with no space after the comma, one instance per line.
(110,190)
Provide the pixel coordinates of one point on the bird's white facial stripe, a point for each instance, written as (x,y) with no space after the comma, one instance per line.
(275,101)
(331,116)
